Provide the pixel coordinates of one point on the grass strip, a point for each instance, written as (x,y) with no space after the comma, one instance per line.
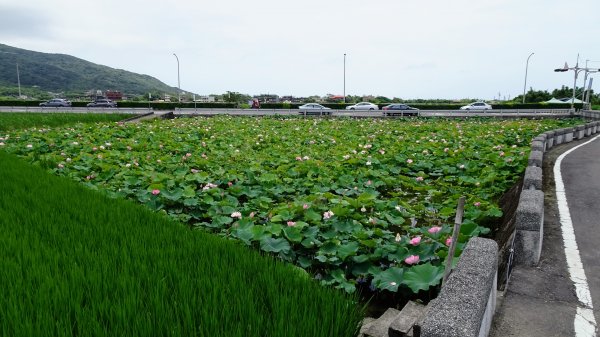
(13,121)
(76,263)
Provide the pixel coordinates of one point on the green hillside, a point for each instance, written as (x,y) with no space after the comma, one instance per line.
(65,73)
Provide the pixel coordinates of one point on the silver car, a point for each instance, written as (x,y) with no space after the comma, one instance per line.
(314,108)
(477,106)
(363,106)
(56,102)
(105,103)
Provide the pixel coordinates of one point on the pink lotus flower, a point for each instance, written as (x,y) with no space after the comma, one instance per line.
(415,241)
(236,215)
(155,192)
(61,166)
(188,154)
(409,161)
(419,178)
(29,146)
(413,259)
(462,167)
(328,215)
(298,158)
(251,215)
(305,206)
(398,237)
(434,229)
(291,223)
(1,144)
(477,204)
(194,171)
(449,241)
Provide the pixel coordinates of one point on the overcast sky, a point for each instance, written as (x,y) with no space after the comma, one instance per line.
(395,48)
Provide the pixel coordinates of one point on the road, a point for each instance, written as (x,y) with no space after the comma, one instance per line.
(551,299)
(582,190)
(295,112)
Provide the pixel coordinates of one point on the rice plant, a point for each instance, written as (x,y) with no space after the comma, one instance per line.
(76,263)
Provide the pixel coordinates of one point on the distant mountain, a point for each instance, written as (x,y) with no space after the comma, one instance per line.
(65,73)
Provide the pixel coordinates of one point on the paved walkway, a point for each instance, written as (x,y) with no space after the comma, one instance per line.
(544,300)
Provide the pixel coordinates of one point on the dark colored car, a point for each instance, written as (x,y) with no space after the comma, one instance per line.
(400,109)
(105,103)
(56,102)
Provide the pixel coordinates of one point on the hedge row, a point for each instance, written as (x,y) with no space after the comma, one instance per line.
(336,106)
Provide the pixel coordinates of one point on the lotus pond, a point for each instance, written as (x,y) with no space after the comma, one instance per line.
(360,204)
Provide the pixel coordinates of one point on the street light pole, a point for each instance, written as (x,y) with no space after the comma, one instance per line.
(585,94)
(18,76)
(178,82)
(576,71)
(525,85)
(344,77)
(18,80)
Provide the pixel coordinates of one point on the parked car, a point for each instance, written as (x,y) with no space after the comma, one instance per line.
(477,106)
(363,106)
(107,103)
(314,108)
(399,109)
(56,102)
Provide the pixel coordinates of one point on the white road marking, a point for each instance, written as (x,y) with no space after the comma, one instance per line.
(585,323)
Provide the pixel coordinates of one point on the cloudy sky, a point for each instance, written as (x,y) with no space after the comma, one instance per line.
(396,48)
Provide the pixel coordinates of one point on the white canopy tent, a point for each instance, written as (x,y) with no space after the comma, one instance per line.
(564,100)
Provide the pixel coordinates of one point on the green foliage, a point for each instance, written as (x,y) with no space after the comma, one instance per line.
(534,96)
(11,121)
(346,199)
(76,263)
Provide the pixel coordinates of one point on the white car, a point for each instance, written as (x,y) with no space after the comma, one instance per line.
(477,106)
(363,106)
(314,108)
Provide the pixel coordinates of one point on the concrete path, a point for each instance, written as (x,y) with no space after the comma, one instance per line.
(543,300)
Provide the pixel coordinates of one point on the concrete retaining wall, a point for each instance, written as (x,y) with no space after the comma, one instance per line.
(466,303)
(465,307)
(530,211)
